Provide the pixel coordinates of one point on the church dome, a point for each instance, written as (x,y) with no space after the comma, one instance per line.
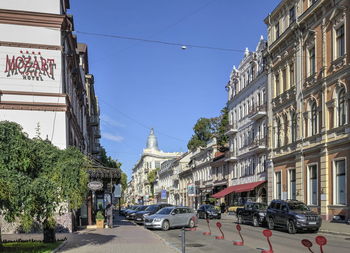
(152,142)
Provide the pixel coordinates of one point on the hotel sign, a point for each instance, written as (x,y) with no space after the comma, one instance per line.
(30,65)
(95,185)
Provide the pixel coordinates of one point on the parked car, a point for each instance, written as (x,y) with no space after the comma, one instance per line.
(293,215)
(152,209)
(130,209)
(130,215)
(169,217)
(252,212)
(208,212)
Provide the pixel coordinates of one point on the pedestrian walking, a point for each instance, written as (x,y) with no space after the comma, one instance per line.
(223,207)
(109,215)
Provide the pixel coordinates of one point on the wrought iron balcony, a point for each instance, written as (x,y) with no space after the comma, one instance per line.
(94,120)
(231,129)
(231,157)
(258,112)
(259,145)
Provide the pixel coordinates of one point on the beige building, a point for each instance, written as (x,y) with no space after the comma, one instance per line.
(309,84)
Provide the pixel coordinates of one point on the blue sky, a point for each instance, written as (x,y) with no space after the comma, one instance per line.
(142,85)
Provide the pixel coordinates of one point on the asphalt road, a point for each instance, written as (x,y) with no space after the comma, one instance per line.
(254,241)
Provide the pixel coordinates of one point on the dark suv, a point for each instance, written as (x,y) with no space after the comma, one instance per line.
(293,215)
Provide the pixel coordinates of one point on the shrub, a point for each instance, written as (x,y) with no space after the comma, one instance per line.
(99,216)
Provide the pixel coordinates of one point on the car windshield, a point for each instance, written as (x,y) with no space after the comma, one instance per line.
(151,208)
(260,206)
(298,206)
(165,210)
(141,208)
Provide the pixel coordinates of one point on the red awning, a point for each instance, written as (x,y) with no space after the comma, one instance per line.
(237,188)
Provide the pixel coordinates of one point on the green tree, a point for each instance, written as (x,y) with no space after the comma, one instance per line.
(203,132)
(37,179)
(151,177)
(221,125)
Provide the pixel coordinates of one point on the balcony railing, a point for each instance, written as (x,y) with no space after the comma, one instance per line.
(94,120)
(259,145)
(231,129)
(257,112)
(231,157)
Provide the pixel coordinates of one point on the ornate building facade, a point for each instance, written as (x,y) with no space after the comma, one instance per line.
(309,85)
(247,104)
(151,159)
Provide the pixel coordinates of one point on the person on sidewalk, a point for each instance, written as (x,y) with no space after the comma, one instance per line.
(223,207)
(109,215)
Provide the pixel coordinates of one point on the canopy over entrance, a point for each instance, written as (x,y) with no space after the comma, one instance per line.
(237,188)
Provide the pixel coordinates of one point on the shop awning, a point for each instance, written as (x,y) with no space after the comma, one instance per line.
(237,188)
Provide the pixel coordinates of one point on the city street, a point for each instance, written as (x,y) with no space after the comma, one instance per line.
(253,239)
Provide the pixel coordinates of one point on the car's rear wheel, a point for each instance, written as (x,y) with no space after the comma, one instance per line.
(271,223)
(239,219)
(255,221)
(165,225)
(191,223)
(291,227)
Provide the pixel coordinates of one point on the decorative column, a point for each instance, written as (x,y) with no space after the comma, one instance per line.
(287,77)
(324,183)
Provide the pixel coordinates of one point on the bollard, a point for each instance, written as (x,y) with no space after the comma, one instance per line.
(183,240)
(321,240)
(219,225)
(267,233)
(239,243)
(307,244)
(207,233)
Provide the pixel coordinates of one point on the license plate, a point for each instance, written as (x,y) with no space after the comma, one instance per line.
(138,218)
(312,223)
(148,224)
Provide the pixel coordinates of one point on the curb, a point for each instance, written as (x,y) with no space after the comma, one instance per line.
(60,246)
(334,233)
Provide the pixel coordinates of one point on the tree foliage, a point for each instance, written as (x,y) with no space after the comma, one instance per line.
(207,128)
(151,177)
(37,178)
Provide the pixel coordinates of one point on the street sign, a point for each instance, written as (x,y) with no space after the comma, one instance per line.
(95,185)
(163,194)
(117,191)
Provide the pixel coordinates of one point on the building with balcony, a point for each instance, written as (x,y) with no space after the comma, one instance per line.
(308,47)
(247,131)
(151,159)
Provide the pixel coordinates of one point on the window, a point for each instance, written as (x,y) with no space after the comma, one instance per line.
(291,15)
(278,133)
(278,192)
(294,127)
(341,108)
(277,30)
(312,185)
(292,184)
(340,42)
(312,2)
(314,119)
(312,61)
(339,191)
(277,84)
(291,74)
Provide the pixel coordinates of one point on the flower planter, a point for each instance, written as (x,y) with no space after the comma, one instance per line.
(100,223)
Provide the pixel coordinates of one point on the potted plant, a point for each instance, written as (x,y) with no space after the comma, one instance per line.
(100,219)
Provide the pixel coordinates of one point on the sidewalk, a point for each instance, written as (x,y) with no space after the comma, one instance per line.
(124,237)
(327,227)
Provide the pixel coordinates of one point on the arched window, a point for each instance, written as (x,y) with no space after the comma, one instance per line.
(278,132)
(294,127)
(314,118)
(341,108)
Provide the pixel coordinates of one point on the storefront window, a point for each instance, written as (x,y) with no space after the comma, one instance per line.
(340,183)
(313,184)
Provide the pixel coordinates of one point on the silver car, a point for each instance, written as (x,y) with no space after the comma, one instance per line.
(168,217)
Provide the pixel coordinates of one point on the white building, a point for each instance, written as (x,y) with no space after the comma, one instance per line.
(151,159)
(45,85)
(41,84)
(247,104)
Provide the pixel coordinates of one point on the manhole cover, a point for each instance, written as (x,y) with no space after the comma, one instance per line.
(195,245)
